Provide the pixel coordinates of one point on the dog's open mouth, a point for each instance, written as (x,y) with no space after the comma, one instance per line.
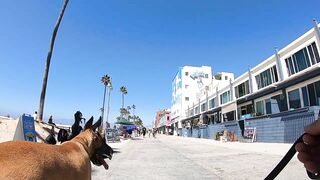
(101,160)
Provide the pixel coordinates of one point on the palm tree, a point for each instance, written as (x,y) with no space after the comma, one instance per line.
(124,91)
(133,108)
(106,80)
(47,67)
(128,111)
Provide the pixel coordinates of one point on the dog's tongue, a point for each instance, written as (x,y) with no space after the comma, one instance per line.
(105,165)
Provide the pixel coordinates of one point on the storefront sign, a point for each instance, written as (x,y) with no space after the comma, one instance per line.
(250,133)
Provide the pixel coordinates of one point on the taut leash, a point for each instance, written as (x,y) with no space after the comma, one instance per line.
(285,160)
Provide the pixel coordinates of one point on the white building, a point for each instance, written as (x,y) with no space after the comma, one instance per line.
(188,88)
(287,80)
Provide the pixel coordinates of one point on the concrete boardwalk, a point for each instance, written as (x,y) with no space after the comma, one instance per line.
(168,157)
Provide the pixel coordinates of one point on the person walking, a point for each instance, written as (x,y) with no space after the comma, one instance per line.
(35,115)
(50,121)
(149,131)
(144,131)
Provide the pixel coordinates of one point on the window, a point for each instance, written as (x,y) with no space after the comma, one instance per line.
(302,59)
(211,103)
(216,118)
(229,116)
(226,77)
(242,89)
(186,86)
(206,76)
(267,77)
(245,110)
(186,73)
(203,107)
(317,88)
(294,99)
(314,93)
(260,108)
(281,101)
(196,110)
(225,97)
(268,106)
(186,98)
(191,112)
(305,97)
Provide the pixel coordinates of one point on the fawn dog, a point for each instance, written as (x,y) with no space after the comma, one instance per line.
(70,160)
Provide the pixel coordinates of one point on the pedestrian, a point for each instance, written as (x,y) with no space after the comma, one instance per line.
(35,115)
(50,121)
(154,132)
(144,131)
(309,150)
(149,130)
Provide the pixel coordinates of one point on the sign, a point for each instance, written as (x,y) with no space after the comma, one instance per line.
(28,127)
(250,133)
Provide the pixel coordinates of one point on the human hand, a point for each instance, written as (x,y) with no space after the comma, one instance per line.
(309,150)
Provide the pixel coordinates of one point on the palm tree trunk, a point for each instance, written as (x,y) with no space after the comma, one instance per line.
(47,67)
(102,111)
(108,108)
(122,104)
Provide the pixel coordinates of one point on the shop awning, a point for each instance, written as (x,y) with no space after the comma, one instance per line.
(229,108)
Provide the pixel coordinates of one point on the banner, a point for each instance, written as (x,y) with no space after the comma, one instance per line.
(28,128)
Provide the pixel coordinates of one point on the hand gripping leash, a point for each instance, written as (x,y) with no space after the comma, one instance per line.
(285,160)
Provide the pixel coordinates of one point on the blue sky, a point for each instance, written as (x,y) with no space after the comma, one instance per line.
(140,44)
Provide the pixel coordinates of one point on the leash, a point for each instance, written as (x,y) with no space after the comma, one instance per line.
(285,160)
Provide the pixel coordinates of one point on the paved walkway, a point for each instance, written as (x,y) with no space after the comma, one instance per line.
(168,157)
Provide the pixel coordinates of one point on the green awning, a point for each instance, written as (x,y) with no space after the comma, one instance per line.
(124,121)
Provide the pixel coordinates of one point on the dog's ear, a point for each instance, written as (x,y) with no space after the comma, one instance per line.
(89,123)
(97,124)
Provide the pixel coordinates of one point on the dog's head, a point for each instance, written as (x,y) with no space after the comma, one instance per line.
(100,148)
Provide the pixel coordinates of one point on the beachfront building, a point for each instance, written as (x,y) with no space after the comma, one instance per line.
(277,97)
(163,122)
(188,86)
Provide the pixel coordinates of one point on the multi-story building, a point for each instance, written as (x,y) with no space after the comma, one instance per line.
(163,121)
(286,84)
(188,81)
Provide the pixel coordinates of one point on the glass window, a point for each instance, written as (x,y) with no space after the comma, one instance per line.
(291,67)
(211,103)
(294,99)
(186,98)
(225,97)
(186,73)
(311,54)
(302,59)
(259,108)
(229,116)
(315,52)
(281,101)
(274,74)
(196,110)
(317,88)
(242,89)
(312,95)
(267,77)
(305,96)
(268,106)
(203,107)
